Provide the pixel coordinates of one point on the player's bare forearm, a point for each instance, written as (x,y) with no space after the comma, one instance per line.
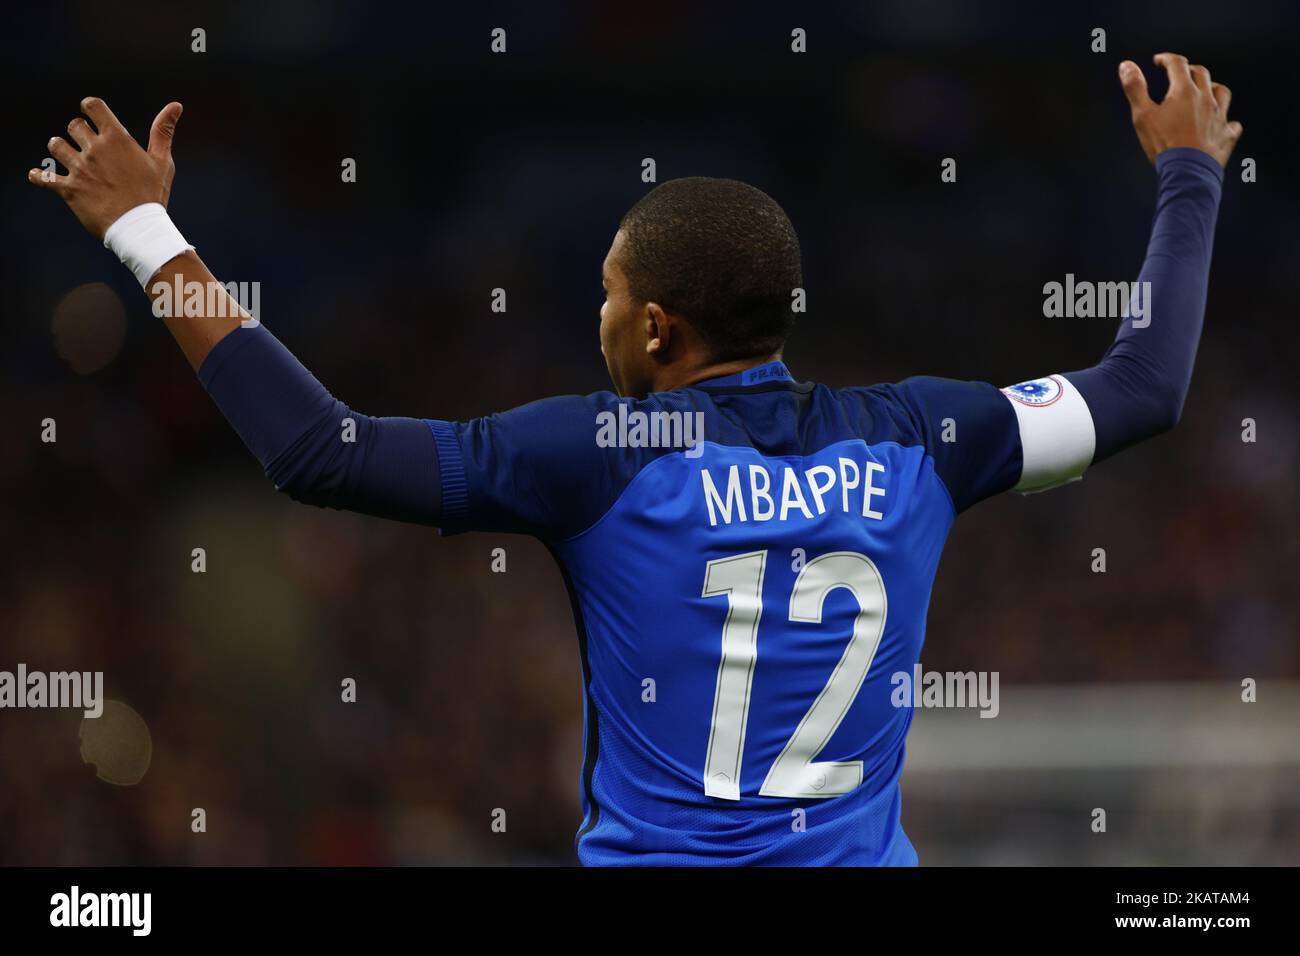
(195,330)
(108,176)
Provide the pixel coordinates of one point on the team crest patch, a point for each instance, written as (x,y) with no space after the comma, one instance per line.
(1039,391)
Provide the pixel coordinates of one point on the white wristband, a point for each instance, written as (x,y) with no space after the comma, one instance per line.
(145,238)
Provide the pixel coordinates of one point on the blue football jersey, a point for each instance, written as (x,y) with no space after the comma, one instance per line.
(749,561)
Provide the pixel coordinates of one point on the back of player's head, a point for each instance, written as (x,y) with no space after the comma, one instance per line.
(720,253)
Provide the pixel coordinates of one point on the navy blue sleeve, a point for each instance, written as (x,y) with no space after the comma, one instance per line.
(313,446)
(970,431)
(1138,388)
(538,469)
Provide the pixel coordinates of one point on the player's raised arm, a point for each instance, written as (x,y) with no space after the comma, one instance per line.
(311,445)
(1057,426)
(1138,388)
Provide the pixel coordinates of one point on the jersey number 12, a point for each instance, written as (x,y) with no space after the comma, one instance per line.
(796,772)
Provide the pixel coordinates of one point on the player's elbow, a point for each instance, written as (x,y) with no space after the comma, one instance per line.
(1162,413)
(1169,409)
(313,470)
(297,482)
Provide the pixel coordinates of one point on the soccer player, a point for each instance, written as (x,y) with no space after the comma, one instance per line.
(757,550)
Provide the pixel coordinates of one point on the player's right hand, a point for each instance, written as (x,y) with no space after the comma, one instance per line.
(1193,113)
(110,174)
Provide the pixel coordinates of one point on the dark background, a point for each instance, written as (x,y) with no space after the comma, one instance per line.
(478,171)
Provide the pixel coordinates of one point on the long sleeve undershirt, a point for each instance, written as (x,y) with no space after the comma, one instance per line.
(1138,388)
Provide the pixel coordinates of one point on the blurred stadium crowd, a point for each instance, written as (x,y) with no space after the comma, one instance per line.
(477,172)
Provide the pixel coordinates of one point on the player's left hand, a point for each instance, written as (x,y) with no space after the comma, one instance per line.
(110,174)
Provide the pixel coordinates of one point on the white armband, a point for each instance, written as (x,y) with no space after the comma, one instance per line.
(145,238)
(1057,436)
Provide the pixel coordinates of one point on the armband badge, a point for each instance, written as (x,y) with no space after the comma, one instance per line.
(1038,392)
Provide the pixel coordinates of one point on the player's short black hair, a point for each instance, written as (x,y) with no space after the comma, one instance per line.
(720,253)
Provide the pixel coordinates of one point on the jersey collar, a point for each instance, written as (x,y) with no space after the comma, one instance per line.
(758,375)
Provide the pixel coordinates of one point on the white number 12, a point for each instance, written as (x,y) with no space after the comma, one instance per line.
(795,773)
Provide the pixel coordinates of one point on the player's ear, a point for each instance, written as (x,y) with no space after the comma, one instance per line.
(657,328)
